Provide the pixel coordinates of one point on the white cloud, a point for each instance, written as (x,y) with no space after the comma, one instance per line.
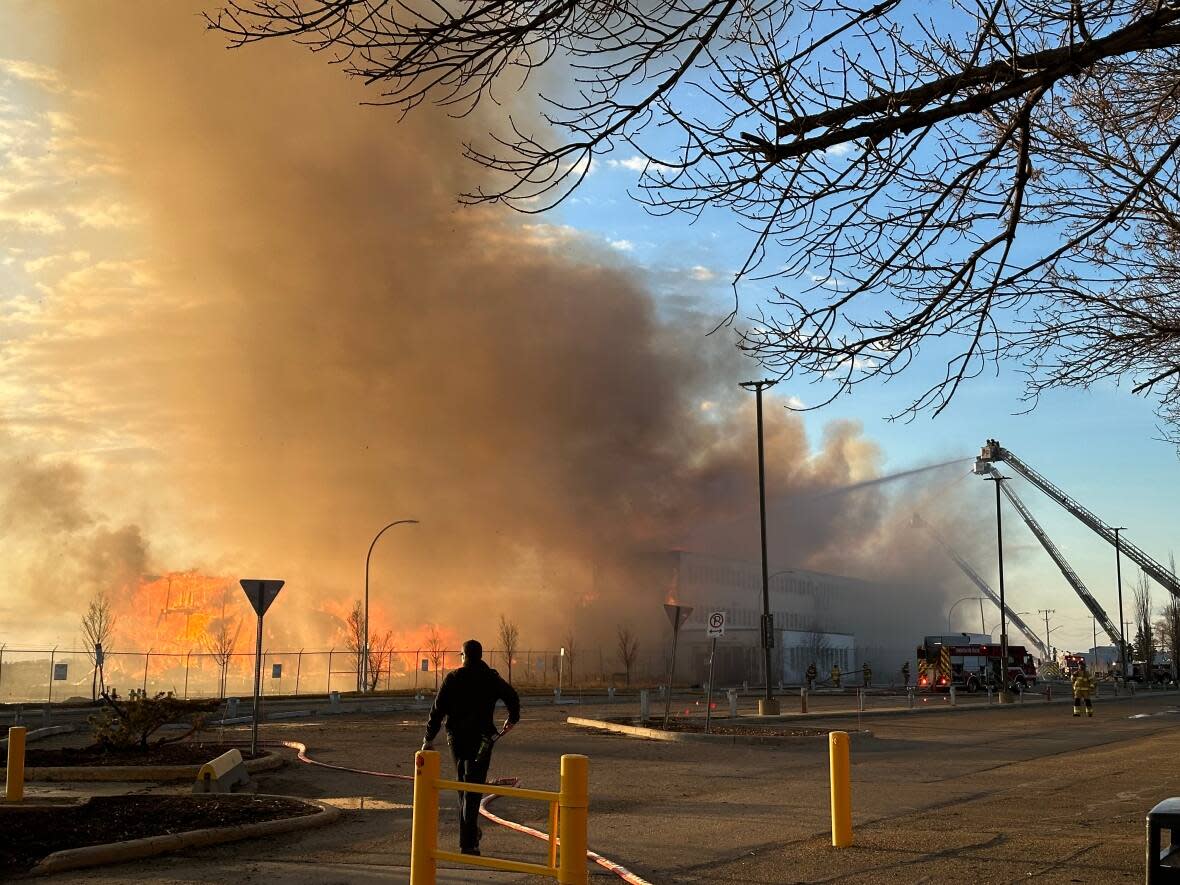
(104,215)
(32,220)
(839,150)
(637,164)
(701,273)
(622,245)
(795,403)
(30,72)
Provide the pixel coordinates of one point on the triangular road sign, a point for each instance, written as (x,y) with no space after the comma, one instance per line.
(261,593)
(677,614)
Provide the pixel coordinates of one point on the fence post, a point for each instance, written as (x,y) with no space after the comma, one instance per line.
(52,658)
(572,819)
(424,824)
(841,789)
(803,700)
(3,645)
(328,690)
(188,659)
(14,789)
(147,659)
(298,669)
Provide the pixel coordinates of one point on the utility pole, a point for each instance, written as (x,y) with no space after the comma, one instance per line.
(1118,572)
(1003,687)
(1046,612)
(768,706)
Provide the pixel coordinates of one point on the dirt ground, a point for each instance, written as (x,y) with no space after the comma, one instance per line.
(1026,794)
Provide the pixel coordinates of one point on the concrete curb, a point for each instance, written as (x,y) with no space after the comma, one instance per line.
(37,734)
(150,846)
(1034,700)
(692,737)
(132,773)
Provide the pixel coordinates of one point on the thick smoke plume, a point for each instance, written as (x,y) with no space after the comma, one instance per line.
(328,342)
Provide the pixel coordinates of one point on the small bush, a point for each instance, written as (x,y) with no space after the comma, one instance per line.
(128,725)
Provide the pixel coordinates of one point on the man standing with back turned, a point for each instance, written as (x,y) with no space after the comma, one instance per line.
(467,699)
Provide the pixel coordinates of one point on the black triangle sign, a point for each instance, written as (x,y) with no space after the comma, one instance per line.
(261,593)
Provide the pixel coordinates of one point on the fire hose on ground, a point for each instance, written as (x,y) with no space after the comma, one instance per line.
(607,864)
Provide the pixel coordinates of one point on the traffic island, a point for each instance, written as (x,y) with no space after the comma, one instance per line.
(168,762)
(50,837)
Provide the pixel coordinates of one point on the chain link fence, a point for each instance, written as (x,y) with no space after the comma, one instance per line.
(47,675)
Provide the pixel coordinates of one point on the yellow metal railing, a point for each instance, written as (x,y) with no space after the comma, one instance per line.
(568,812)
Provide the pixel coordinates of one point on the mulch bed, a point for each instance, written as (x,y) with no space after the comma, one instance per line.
(170,754)
(33,833)
(721,728)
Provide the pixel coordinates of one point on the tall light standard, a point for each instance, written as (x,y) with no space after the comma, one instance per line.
(994,476)
(365,637)
(964,599)
(767,706)
(1118,573)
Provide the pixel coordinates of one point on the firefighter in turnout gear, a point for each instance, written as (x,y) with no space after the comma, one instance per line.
(867,673)
(905,675)
(1083,687)
(835,675)
(812,673)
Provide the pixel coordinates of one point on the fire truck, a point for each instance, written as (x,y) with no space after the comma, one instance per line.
(971,661)
(1073,663)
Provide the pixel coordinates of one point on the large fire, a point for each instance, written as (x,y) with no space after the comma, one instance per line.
(174,612)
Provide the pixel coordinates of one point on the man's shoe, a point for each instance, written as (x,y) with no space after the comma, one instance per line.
(474,851)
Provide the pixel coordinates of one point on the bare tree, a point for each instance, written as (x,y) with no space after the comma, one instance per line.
(628,649)
(379,646)
(380,657)
(509,641)
(1002,180)
(220,640)
(817,645)
(1167,631)
(1144,628)
(354,640)
(98,626)
(435,651)
(571,647)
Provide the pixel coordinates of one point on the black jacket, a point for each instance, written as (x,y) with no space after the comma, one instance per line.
(467,698)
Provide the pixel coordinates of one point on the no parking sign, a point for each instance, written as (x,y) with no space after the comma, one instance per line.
(715,625)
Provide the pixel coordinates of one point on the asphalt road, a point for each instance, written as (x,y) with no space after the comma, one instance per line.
(1021,794)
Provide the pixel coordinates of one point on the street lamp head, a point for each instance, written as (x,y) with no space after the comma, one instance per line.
(757,385)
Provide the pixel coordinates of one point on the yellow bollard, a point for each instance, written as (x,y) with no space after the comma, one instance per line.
(15,787)
(841,789)
(424,828)
(572,819)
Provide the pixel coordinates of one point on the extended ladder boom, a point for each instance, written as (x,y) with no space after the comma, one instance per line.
(985,588)
(1055,554)
(993,451)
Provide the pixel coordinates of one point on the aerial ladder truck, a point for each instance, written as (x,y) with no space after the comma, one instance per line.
(993,452)
(985,468)
(985,588)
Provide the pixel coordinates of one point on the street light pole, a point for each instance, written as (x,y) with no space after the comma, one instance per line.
(365,638)
(767,706)
(1003,696)
(1118,572)
(956,603)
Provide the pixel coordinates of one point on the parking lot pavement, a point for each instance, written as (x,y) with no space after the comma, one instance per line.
(1027,793)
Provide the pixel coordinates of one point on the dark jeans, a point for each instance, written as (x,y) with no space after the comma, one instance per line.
(471,769)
